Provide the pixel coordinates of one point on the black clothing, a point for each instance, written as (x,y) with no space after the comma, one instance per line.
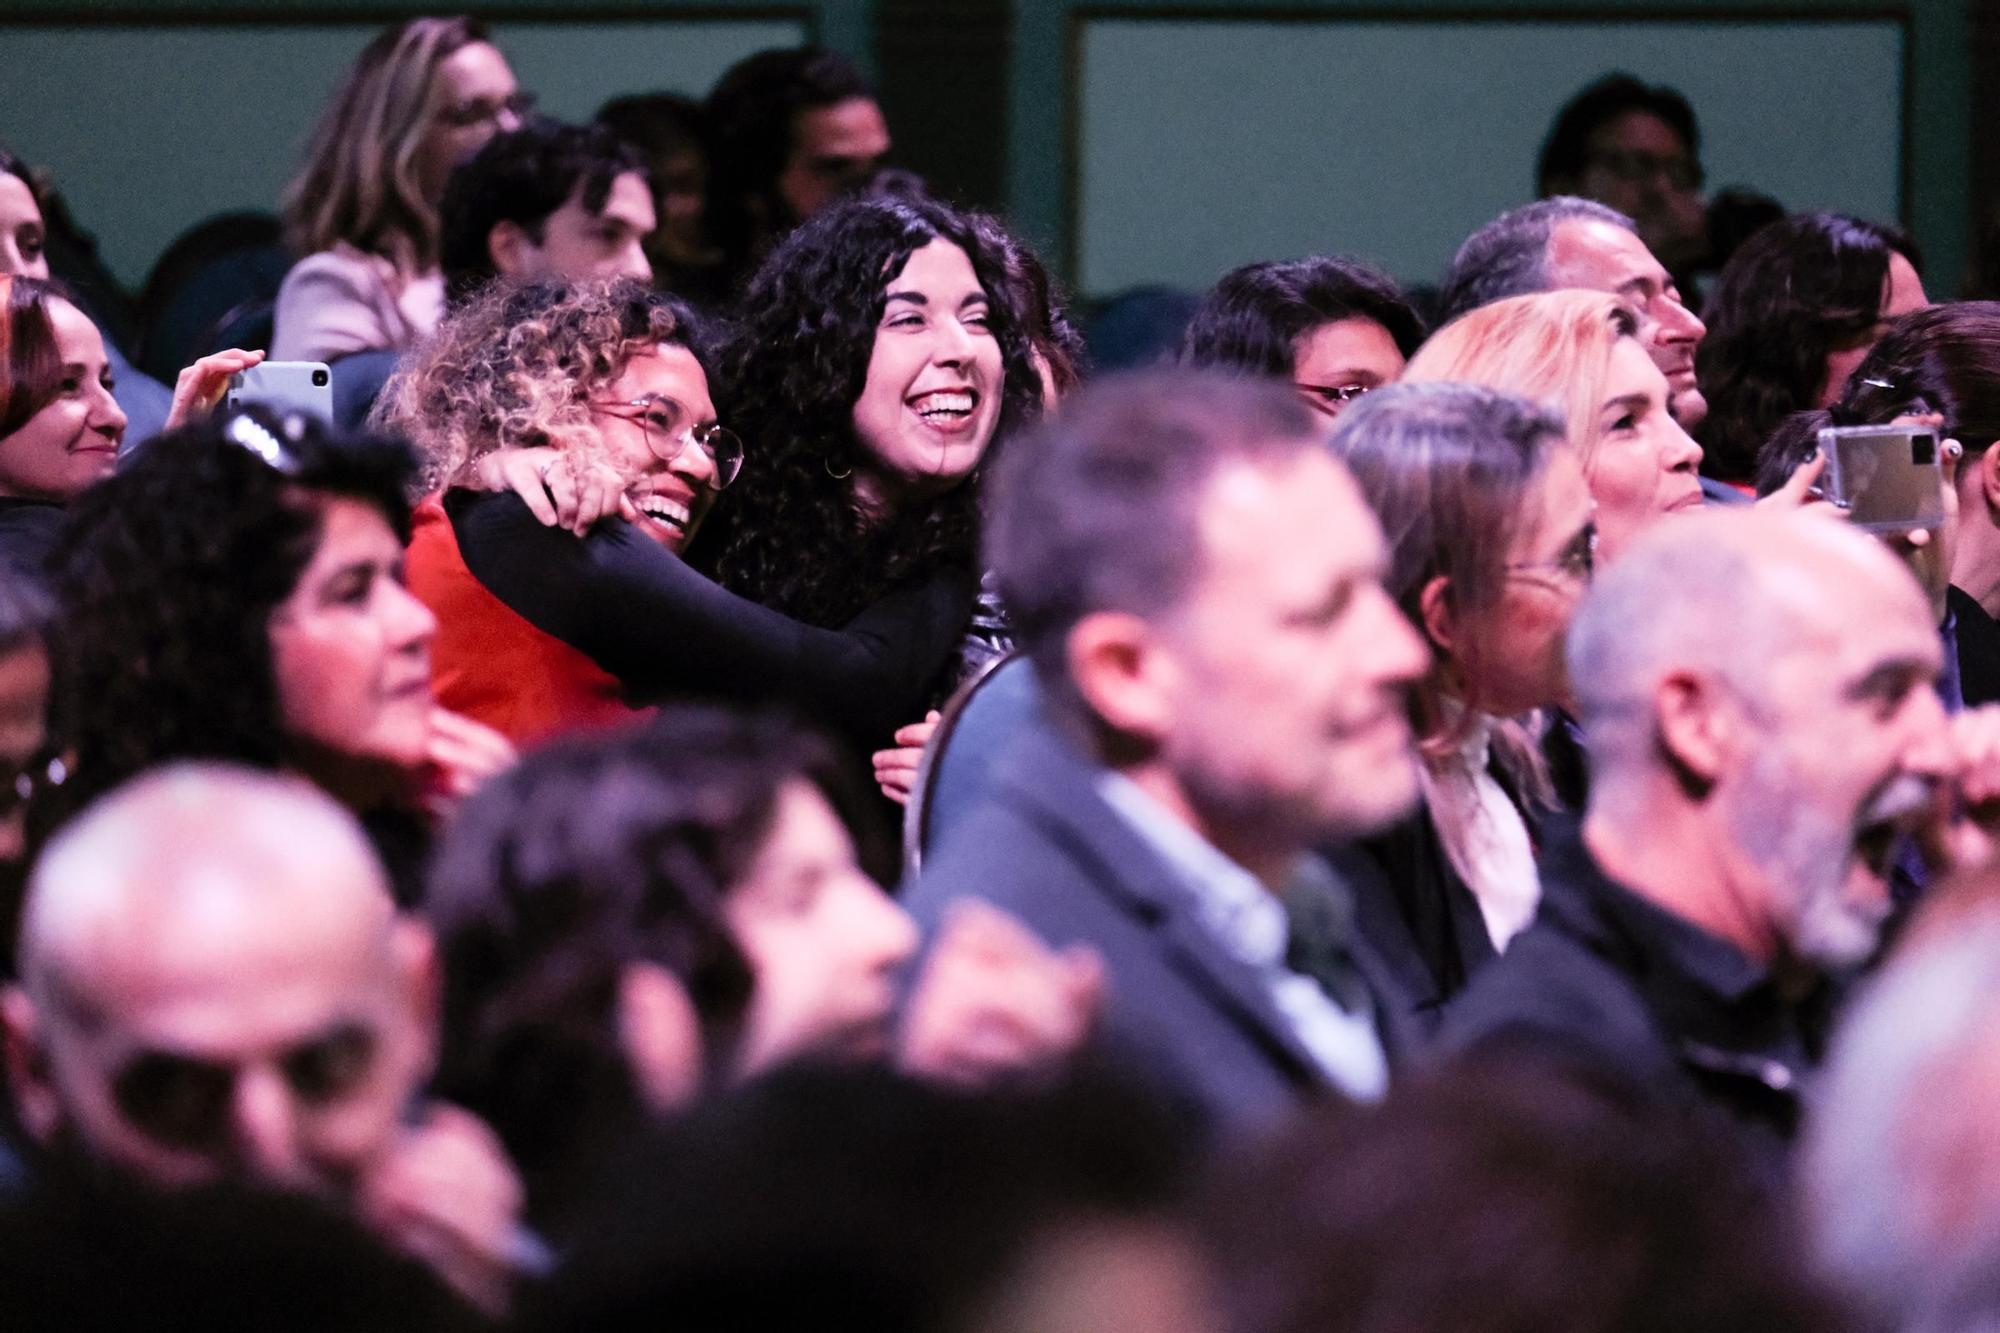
(662,629)
(1569,762)
(1611,979)
(1418,915)
(1978,649)
(28,531)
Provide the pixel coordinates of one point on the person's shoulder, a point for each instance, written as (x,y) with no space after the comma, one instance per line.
(1551,989)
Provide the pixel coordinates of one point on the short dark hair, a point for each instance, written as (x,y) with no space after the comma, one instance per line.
(658,125)
(1794,292)
(750,114)
(1253,318)
(521,176)
(1566,151)
(1509,256)
(166,575)
(1098,509)
(1510,1195)
(590,855)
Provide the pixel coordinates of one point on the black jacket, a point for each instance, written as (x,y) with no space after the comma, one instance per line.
(1610,979)
(1978,649)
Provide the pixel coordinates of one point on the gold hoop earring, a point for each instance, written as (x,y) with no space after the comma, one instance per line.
(837,476)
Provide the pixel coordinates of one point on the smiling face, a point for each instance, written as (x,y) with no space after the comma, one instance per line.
(22,234)
(1847,748)
(1643,465)
(73,441)
(672,479)
(931,401)
(823,939)
(1603,257)
(350,646)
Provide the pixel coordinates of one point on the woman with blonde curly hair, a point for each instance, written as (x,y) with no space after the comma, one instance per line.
(362,212)
(1579,353)
(538,407)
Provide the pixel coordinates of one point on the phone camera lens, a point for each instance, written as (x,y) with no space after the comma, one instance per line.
(1923,450)
(319,379)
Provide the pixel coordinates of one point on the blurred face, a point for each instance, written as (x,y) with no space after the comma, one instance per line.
(647,419)
(1513,657)
(283,1050)
(1338,362)
(822,938)
(1902,292)
(1644,464)
(1639,165)
(473,97)
(24,709)
(680,184)
(931,401)
(351,646)
(835,149)
(1287,666)
(577,244)
(22,235)
(1845,756)
(73,441)
(1601,257)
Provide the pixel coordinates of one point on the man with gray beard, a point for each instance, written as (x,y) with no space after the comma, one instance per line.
(1756,757)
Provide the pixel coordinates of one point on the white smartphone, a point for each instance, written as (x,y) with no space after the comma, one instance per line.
(1887,478)
(285,386)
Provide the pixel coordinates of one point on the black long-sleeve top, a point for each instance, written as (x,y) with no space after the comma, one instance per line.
(663,630)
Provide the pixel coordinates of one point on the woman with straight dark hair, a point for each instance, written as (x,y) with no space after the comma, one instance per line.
(1333,328)
(1794,311)
(1491,538)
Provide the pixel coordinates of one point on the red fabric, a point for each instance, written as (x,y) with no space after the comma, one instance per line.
(490,664)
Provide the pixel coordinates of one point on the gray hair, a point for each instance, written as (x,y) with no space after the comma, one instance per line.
(1911,1052)
(1509,256)
(1098,509)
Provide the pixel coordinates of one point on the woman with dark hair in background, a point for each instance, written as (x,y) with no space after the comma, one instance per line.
(362,212)
(1333,328)
(1491,541)
(237,593)
(1794,311)
(628,921)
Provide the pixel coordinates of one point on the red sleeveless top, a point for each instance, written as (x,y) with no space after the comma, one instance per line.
(489,663)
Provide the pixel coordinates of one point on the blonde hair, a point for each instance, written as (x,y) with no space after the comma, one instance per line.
(358,182)
(516,368)
(1552,347)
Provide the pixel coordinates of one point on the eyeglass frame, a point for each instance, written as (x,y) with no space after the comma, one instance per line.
(1333,398)
(700,436)
(1632,165)
(520,104)
(1578,566)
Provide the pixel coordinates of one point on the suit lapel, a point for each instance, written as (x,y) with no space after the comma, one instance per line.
(1058,790)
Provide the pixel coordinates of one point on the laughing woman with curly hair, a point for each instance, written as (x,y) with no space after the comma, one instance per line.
(540,407)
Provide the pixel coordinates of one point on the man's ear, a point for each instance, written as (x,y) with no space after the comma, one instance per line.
(1700,726)
(420,976)
(28,1072)
(1123,673)
(508,246)
(1440,625)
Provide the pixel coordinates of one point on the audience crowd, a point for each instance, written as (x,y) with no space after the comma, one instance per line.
(1419,812)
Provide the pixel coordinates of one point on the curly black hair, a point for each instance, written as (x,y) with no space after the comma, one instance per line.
(589,856)
(790,536)
(165,578)
(1041,303)
(1795,292)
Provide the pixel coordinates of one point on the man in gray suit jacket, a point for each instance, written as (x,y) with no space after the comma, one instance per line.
(1197,582)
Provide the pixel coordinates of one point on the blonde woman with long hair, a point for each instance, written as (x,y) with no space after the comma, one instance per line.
(362,212)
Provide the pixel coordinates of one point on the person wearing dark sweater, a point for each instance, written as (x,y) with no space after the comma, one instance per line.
(554,618)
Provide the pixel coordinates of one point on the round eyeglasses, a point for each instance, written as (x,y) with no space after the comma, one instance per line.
(658,415)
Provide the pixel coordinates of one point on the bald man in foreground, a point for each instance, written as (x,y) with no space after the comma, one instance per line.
(214,984)
(1755,759)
